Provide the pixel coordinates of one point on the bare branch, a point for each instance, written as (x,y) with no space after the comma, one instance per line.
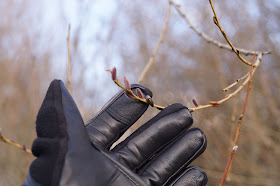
(210,39)
(11,142)
(237,81)
(162,35)
(217,22)
(216,103)
(239,122)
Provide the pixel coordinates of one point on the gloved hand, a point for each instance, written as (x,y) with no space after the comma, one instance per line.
(71,153)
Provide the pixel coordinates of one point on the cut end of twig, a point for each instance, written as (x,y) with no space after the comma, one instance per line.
(235,148)
(140,94)
(126,83)
(149,100)
(195,103)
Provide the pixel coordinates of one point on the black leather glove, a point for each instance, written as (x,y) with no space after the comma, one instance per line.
(158,153)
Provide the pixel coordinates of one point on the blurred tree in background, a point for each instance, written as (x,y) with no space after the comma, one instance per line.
(111,33)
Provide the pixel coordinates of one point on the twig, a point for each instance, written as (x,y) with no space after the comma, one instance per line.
(211,103)
(237,81)
(227,97)
(217,22)
(210,39)
(11,142)
(233,118)
(136,97)
(238,131)
(228,164)
(162,35)
(69,61)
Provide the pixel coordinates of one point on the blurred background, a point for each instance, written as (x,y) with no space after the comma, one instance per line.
(108,33)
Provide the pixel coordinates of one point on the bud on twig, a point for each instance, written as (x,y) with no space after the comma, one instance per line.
(126,83)
(129,95)
(195,103)
(114,74)
(215,20)
(140,93)
(24,147)
(235,148)
(214,103)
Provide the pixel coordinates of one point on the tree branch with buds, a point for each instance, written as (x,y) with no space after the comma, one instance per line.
(13,143)
(140,95)
(130,94)
(208,38)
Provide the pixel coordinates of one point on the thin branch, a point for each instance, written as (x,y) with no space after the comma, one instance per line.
(227,97)
(237,81)
(211,103)
(217,22)
(228,164)
(160,41)
(11,142)
(233,119)
(238,131)
(210,39)
(69,61)
(136,97)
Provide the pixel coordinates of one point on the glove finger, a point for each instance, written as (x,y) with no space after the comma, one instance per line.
(192,176)
(173,160)
(115,118)
(62,139)
(153,136)
(50,146)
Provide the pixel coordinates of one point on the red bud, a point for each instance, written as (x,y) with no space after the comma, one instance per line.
(114,74)
(195,103)
(140,93)
(127,85)
(129,95)
(24,147)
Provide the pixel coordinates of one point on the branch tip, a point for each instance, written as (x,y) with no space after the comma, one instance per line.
(114,73)
(149,100)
